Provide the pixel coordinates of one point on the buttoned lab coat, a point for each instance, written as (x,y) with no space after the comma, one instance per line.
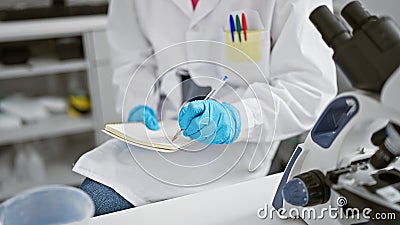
(280,80)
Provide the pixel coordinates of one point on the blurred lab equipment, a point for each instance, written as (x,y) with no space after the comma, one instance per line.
(54,104)
(14,53)
(29,165)
(79,104)
(69,48)
(348,144)
(28,109)
(47,205)
(19,108)
(9,121)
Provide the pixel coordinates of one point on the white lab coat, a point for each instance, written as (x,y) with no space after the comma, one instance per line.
(280,94)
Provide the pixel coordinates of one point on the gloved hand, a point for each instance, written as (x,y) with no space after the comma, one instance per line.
(210,122)
(145,114)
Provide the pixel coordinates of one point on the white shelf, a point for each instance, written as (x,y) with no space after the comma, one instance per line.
(54,126)
(54,27)
(39,67)
(55,174)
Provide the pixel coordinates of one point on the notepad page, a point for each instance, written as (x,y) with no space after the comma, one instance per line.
(138,133)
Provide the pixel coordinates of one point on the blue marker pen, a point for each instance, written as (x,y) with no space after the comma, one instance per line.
(232,24)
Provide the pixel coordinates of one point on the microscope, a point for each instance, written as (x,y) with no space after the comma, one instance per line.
(349,161)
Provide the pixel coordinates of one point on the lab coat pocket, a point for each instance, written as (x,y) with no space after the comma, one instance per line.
(247,60)
(246,50)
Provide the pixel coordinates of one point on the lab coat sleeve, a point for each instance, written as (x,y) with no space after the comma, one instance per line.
(302,79)
(133,73)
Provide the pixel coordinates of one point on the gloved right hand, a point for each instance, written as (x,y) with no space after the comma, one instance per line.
(210,122)
(144,114)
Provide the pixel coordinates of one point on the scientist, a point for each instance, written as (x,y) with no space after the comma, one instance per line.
(286,78)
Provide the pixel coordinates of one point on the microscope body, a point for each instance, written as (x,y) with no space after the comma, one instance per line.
(339,160)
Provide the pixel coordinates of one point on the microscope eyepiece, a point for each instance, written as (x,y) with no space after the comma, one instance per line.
(369,55)
(356,15)
(333,32)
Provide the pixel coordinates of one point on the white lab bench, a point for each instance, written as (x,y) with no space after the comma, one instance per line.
(234,205)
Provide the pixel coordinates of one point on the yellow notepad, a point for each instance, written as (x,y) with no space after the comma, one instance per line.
(137,134)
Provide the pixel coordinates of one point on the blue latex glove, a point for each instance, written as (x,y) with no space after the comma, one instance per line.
(210,122)
(145,114)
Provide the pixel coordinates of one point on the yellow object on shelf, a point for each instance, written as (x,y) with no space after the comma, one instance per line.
(78,105)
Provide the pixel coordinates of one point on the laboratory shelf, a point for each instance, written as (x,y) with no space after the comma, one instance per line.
(54,126)
(44,66)
(60,139)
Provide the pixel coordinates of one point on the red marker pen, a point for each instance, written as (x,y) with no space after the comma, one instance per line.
(244,26)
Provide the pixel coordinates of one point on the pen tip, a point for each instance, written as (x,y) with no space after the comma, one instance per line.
(175,137)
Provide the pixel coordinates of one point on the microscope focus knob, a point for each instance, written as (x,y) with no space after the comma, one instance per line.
(307,189)
(389,149)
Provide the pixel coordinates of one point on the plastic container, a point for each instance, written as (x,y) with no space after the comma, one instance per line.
(53,204)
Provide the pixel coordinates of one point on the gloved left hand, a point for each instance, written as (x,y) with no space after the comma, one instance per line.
(210,122)
(145,114)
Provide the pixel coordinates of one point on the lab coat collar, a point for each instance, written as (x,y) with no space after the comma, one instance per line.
(203,8)
(185,6)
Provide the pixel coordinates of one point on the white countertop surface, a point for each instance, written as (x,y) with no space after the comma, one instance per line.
(234,205)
